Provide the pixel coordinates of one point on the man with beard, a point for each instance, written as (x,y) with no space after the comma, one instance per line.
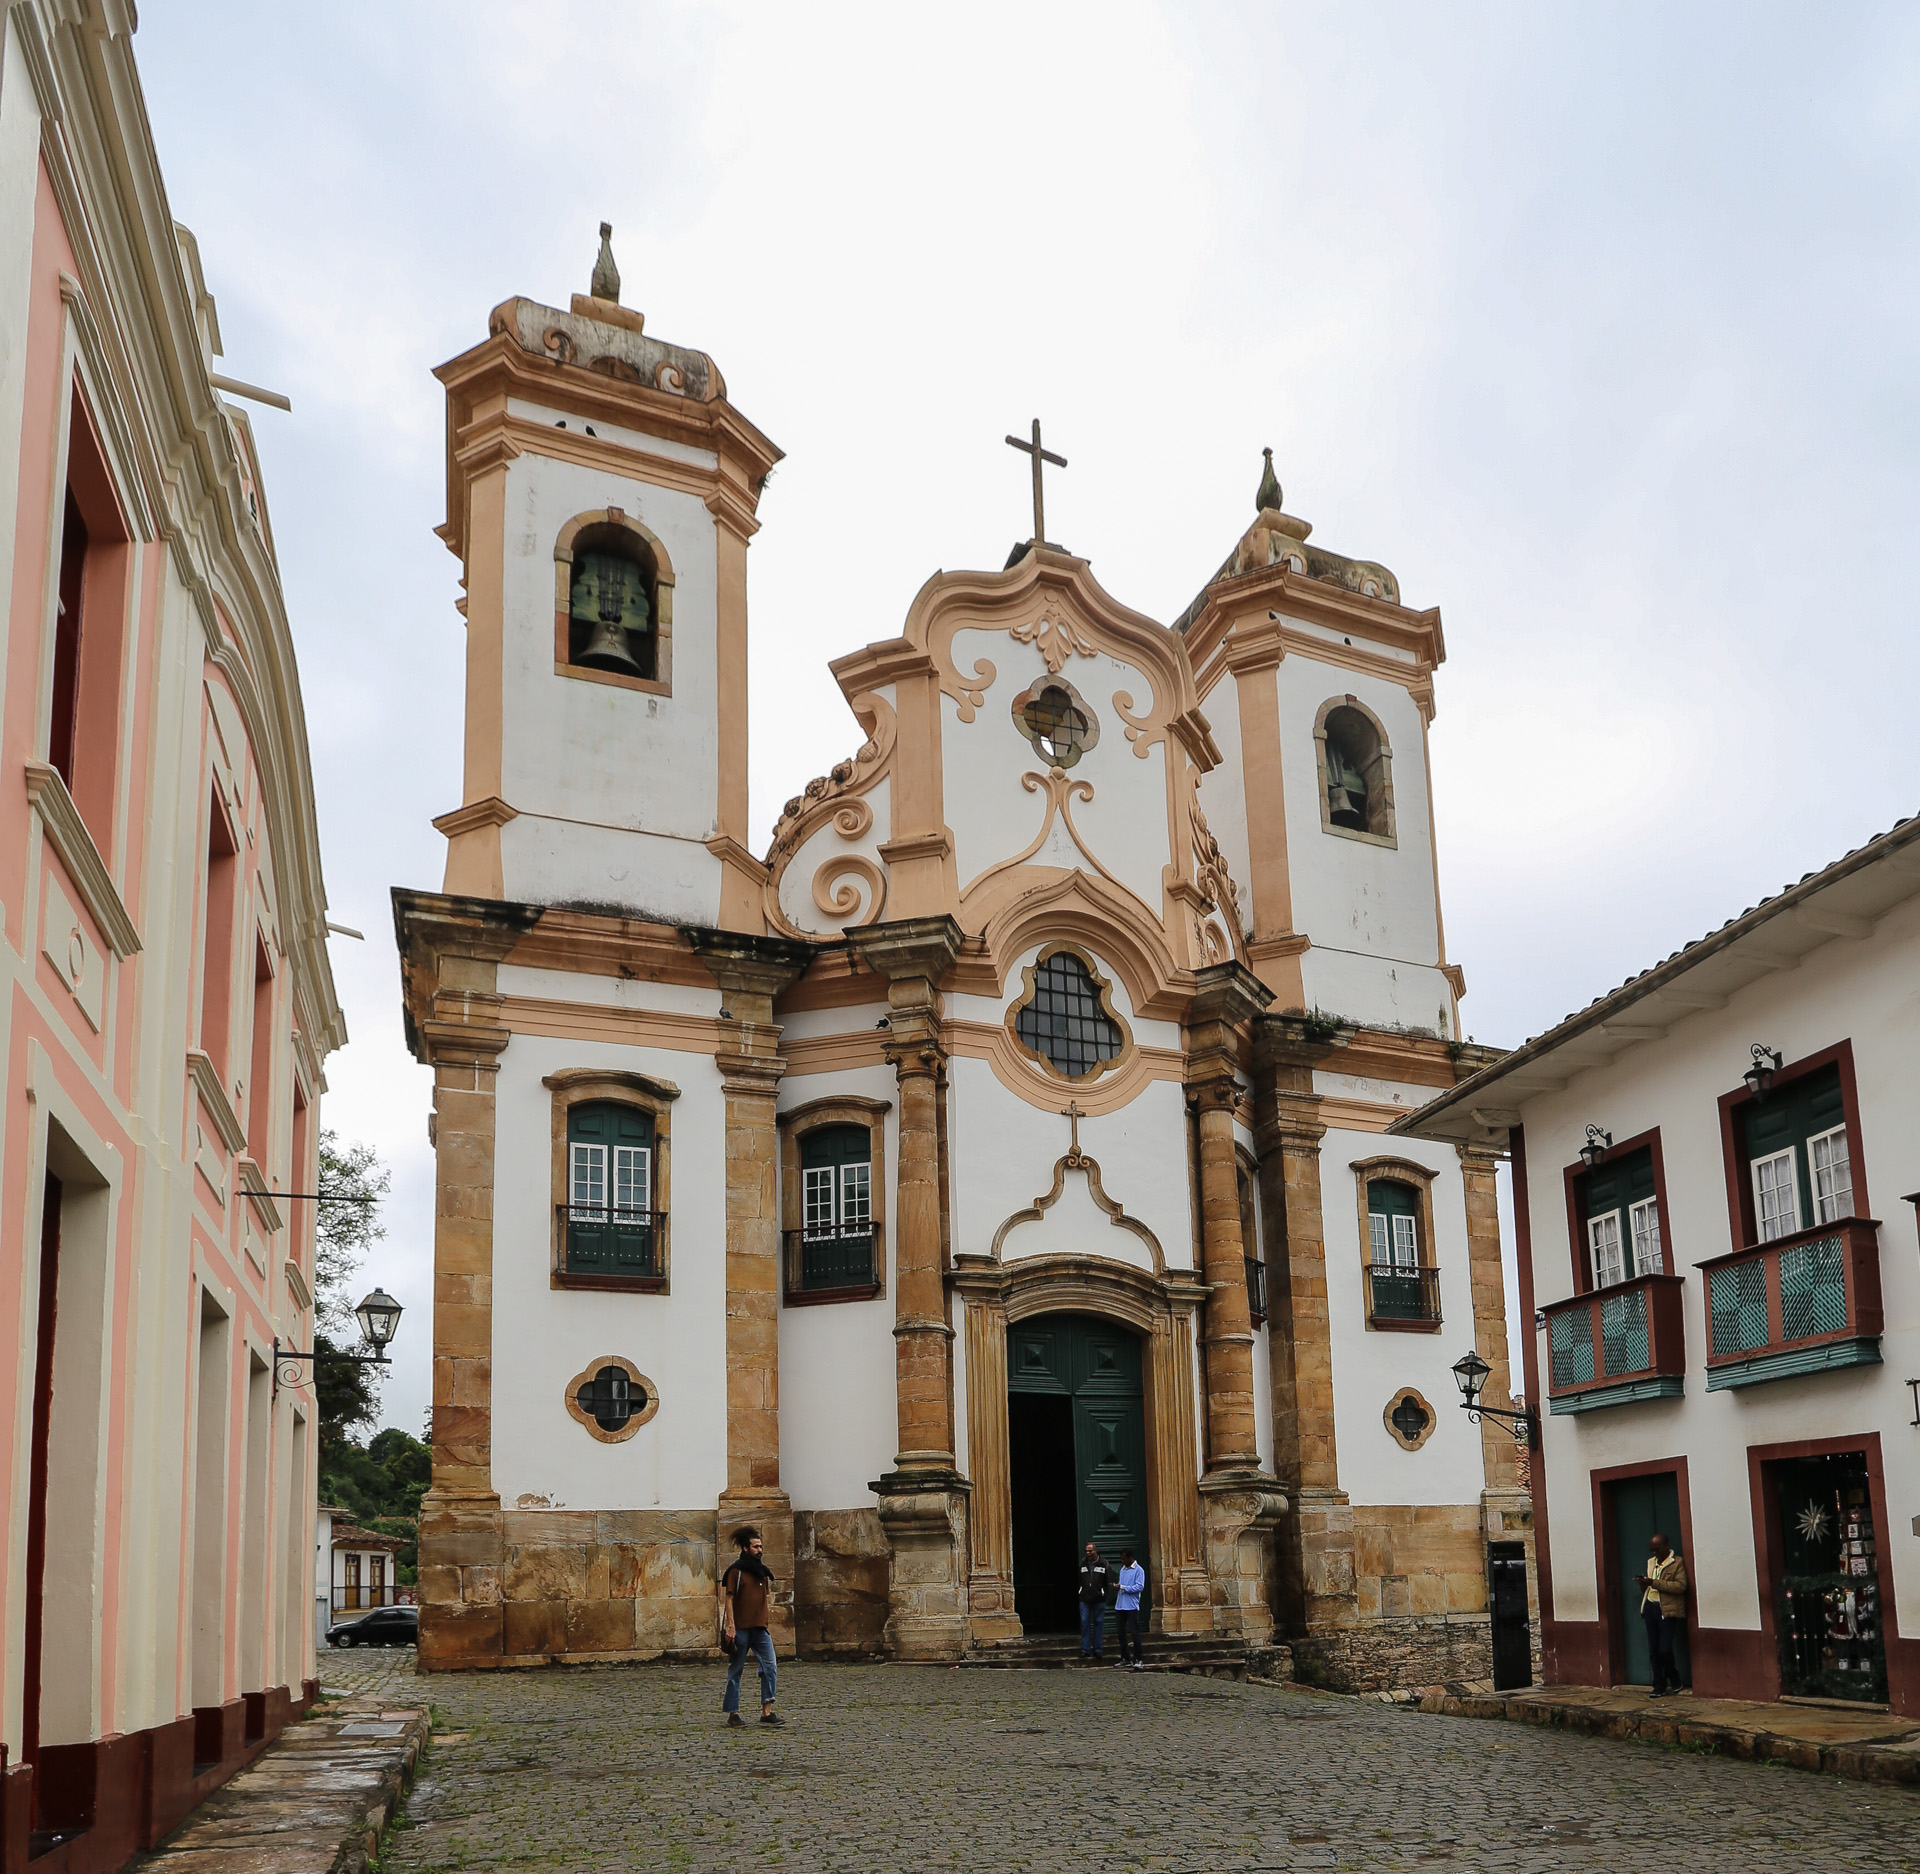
(746,1596)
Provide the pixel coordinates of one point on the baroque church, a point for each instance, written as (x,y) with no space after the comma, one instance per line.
(997,1162)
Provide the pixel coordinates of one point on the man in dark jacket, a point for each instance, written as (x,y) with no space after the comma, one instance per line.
(1093,1603)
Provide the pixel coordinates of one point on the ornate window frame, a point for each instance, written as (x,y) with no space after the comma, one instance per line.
(581,1086)
(1381,823)
(591,1425)
(833,1109)
(1391,1170)
(1393,1405)
(661,682)
(1102,984)
(1037,688)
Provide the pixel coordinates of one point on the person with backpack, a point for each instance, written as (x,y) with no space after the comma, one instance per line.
(746,1601)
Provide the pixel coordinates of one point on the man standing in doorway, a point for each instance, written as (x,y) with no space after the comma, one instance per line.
(1127,1609)
(1093,1603)
(746,1596)
(1663,1606)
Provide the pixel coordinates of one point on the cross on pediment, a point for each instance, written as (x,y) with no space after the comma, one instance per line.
(1073,1115)
(1039,456)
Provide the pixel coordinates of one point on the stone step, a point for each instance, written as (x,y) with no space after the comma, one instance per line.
(1208,1655)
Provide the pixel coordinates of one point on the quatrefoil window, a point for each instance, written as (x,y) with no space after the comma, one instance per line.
(1054,717)
(611,1399)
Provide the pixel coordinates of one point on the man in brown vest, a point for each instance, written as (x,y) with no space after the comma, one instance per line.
(746,1594)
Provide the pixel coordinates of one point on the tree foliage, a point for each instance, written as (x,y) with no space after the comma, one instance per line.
(352,1184)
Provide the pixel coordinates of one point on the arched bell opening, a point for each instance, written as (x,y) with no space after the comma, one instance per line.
(613,603)
(1356,771)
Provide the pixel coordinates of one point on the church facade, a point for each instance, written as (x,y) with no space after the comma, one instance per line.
(995,1164)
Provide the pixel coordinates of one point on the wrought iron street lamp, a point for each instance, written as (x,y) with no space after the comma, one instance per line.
(1592,1152)
(1470,1375)
(379,1319)
(1759,1077)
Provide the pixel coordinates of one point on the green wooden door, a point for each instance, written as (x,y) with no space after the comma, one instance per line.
(1093,1367)
(1640,1506)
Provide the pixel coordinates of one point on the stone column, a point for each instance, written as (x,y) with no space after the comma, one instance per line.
(751,971)
(923,1499)
(1240,1505)
(983,1293)
(451,951)
(1316,1573)
(1506,1504)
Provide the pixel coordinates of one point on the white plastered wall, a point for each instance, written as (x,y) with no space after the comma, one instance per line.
(1864,992)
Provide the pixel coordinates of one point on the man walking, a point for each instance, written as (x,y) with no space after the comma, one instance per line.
(746,1595)
(1663,1606)
(1127,1609)
(1093,1603)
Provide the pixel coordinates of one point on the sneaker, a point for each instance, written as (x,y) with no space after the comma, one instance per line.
(1139,1666)
(771,1717)
(735,1721)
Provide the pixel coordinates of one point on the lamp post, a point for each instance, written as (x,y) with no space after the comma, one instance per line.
(1759,1076)
(379,1319)
(1470,1375)
(1591,1153)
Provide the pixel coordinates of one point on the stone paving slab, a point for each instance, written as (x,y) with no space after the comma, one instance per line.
(315,1802)
(1835,1740)
(588,1770)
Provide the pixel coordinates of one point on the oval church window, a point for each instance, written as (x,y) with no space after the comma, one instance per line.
(611,611)
(1065,1021)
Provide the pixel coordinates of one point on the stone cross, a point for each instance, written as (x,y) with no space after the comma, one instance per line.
(1039,456)
(1073,1115)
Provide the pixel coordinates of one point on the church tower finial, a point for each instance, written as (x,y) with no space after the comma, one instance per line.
(606,276)
(1269,495)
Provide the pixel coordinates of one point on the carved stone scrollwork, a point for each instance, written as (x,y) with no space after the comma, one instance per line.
(559,343)
(1056,638)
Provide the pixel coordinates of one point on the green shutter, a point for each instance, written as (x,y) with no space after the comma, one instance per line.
(607,1124)
(1388,1198)
(842,1256)
(836,1145)
(1617,1185)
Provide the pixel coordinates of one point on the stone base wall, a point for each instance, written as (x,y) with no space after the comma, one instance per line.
(1396,1655)
(839,1583)
(1417,1561)
(598,1584)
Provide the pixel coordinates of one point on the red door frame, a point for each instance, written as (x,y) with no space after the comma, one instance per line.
(1606,1553)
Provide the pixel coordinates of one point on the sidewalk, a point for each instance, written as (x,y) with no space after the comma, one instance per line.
(1835,1740)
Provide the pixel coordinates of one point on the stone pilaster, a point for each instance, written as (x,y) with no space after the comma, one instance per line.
(1316,1585)
(990,1608)
(451,950)
(923,1499)
(1239,1505)
(751,971)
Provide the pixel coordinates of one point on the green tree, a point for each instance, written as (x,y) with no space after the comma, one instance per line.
(352,1184)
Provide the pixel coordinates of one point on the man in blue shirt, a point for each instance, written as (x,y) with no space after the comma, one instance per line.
(1127,1609)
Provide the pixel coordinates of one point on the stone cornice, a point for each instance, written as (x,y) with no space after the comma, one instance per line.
(213,1096)
(260,1194)
(67,833)
(922,947)
(493,811)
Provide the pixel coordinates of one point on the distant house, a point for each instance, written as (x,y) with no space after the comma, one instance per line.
(365,1567)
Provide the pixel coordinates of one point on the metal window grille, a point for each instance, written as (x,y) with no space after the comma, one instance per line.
(1737,1306)
(1570,1347)
(1623,1333)
(1063,1020)
(1813,1289)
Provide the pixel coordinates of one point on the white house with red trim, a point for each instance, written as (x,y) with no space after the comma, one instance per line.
(1715,1173)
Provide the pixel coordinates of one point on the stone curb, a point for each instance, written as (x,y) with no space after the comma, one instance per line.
(1861,1763)
(363,1843)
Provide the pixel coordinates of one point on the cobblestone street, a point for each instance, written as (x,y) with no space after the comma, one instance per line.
(898,1768)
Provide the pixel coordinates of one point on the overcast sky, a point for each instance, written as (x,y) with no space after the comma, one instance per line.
(1597,328)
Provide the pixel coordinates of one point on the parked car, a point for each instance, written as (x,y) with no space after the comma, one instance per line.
(385,1626)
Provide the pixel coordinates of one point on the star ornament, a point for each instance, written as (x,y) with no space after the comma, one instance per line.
(1813,1523)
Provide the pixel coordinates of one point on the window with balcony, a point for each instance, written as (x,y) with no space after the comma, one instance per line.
(1619,1211)
(832,1192)
(1801,1293)
(610,1179)
(1402,1284)
(1251,1246)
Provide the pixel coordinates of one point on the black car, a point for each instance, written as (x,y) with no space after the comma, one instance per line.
(385,1626)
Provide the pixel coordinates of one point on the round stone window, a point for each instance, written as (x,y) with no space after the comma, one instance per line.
(1409,1419)
(611,1398)
(1054,717)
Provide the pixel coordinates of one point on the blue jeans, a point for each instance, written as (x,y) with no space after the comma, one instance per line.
(759,1642)
(1092,1620)
(1660,1629)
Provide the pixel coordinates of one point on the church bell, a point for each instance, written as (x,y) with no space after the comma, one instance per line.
(609,597)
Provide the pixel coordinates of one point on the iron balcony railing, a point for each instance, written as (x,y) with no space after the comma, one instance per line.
(1403,1298)
(1256,1289)
(1616,1344)
(839,1262)
(604,1246)
(1796,1305)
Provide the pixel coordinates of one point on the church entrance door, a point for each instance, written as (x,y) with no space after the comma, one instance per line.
(1076,1424)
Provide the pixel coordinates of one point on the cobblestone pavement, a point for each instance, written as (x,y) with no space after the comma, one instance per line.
(901,1768)
(375,1671)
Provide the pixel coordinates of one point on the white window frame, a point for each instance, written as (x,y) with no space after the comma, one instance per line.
(586,1197)
(1615,1251)
(1831,1207)
(1643,1227)
(1406,1245)
(632,1178)
(1760,1218)
(819,1210)
(1379,1239)
(856,1194)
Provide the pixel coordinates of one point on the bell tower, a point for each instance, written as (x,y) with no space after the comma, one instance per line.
(601,491)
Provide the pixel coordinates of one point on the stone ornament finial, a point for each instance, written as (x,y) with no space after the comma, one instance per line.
(606,276)
(1269,495)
